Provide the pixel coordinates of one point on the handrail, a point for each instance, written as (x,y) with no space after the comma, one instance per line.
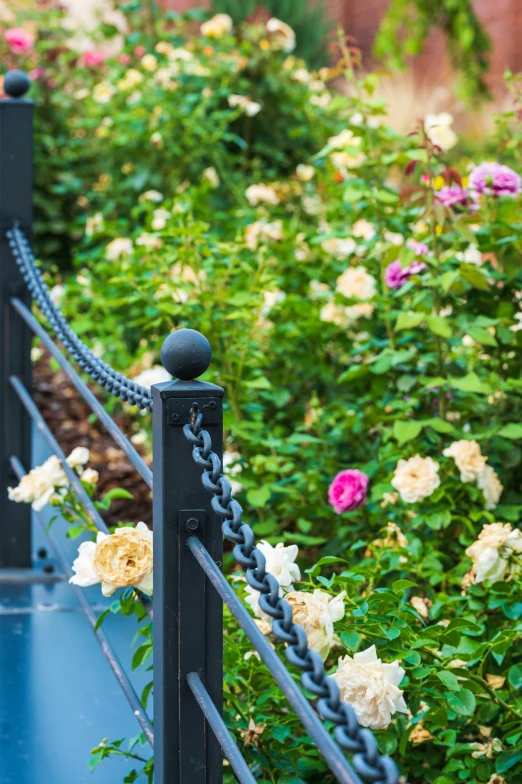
(101,372)
(108,651)
(122,441)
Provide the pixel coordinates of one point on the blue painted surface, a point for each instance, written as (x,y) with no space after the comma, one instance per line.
(58,695)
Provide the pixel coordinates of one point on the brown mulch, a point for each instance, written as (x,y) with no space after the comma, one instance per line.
(72,424)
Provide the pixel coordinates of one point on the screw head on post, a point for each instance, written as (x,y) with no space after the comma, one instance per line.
(16,84)
(186,354)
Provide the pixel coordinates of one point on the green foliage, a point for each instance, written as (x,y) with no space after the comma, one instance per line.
(274,234)
(407,24)
(309,20)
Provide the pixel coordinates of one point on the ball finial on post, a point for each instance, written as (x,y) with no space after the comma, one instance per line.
(16,84)
(186,354)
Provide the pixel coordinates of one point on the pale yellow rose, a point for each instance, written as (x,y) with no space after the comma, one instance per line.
(356,283)
(492,551)
(317,612)
(218,26)
(416,478)
(468,459)
(125,558)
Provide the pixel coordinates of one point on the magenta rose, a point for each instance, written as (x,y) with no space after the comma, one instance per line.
(93,59)
(348,490)
(453,196)
(496,179)
(396,276)
(18,40)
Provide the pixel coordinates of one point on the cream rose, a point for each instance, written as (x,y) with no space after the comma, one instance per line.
(218,26)
(117,560)
(439,131)
(280,563)
(468,459)
(339,247)
(261,194)
(371,687)
(491,486)
(153,375)
(317,612)
(249,107)
(416,478)
(39,485)
(357,283)
(363,229)
(283,37)
(491,552)
(121,246)
(262,230)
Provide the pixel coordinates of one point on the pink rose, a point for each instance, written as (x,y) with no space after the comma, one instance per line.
(348,490)
(93,59)
(18,40)
(125,58)
(139,51)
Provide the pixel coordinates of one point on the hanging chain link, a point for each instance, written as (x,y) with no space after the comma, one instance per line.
(115,383)
(371,765)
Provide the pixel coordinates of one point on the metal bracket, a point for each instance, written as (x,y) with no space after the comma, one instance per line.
(193,520)
(179,410)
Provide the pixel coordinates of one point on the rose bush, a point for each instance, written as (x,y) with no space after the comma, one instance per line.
(361,292)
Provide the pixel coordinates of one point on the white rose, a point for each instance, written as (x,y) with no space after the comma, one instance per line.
(305,172)
(261,229)
(283,35)
(491,486)
(90,475)
(56,294)
(471,255)
(416,478)
(357,283)
(439,131)
(218,26)
(250,108)
(346,138)
(121,246)
(468,459)
(280,562)
(317,612)
(118,560)
(333,314)
(394,237)
(39,485)
(154,375)
(270,300)
(364,229)
(492,550)
(361,310)
(232,467)
(211,176)
(78,457)
(160,218)
(261,194)
(341,248)
(371,687)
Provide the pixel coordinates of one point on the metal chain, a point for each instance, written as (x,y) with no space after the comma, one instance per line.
(371,765)
(115,383)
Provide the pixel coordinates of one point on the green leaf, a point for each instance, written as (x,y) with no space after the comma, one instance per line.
(259,383)
(258,496)
(449,679)
(448,279)
(439,326)
(406,431)
(471,383)
(507,760)
(401,585)
(482,336)
(408,320)
(515,676)
(440,425)
(474,276)
(328,559)
(461,702)
(100,619)
(350,640)
(512,431)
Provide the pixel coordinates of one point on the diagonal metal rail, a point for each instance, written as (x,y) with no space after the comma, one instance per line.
(220,730)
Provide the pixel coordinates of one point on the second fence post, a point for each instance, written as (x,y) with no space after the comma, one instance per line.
(188,615)
(16,204)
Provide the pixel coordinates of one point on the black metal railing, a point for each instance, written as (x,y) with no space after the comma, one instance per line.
(193,509)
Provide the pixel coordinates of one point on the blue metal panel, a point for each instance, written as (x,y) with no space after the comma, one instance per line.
(58,696)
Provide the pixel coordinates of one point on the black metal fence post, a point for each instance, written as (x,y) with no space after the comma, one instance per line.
(16,204)
(188,615)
